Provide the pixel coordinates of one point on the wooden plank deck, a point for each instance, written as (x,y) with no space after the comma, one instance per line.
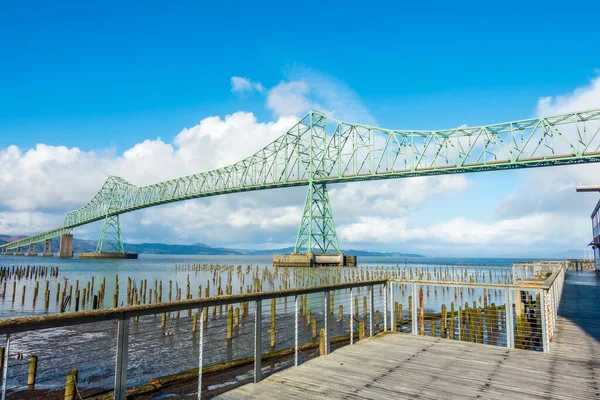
(398,366)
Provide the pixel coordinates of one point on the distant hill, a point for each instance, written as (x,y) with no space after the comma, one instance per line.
(82,245)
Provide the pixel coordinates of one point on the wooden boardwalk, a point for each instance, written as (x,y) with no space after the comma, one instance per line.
(396,366)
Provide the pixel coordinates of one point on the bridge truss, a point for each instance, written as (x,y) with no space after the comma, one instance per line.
(320,150)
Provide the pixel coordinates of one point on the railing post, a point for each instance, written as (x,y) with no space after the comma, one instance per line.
(326,320)
(295,330)
(257,341)
(371,310)
(459,326)
(121,359)
(5,366)
(201,351)
(510,330)
(351,316)
(414,309)
(385,305)
(545,344)
(392,308)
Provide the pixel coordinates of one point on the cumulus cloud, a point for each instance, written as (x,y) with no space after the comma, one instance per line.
(290,98)
(308,90)
(581,99)
(530,234)
(59,179)
(239,84)
(391,197)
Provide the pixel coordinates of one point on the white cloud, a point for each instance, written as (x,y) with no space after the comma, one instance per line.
(581,99)
(58,179)
(308,90)
(239,84)
(17,222)
(390,197)
(531,233)
(290,98)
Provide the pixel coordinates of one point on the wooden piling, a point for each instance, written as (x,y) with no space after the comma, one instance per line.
(229,322)
(361,330)
(32,372)
(273,321)
(71,385)
(322,342)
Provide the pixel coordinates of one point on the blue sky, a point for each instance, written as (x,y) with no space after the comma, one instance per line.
(104,77)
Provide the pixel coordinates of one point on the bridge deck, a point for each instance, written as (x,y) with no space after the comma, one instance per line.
(397,366)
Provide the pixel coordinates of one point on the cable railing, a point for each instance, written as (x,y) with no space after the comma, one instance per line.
(198,347)
(265,331)
(520,315)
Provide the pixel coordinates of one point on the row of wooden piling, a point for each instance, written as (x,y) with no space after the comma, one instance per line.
(26,272)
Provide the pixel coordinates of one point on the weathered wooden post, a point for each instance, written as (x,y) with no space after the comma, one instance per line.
(230,323)
(71,385)
(322,342)
(361,330)
(400,316)
(32,372)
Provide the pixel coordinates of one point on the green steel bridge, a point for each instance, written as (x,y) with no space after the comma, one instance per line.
(320,150)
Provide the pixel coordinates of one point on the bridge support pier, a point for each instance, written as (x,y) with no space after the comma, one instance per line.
(110,244)
(66,246)
(32,249)
(47,248)
(317,242)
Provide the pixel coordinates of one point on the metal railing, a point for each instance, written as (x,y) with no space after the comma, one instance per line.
(137,325)
(512,315)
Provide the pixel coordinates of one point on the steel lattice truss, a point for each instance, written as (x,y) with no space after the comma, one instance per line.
(324,150)
(317,228)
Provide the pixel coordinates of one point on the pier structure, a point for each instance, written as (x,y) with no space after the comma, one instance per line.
(314,260)
(319,151)
(515,344)
(393,366)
